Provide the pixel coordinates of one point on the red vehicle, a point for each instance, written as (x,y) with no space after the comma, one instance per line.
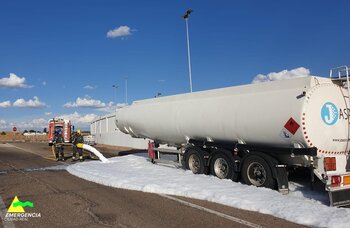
(62,125)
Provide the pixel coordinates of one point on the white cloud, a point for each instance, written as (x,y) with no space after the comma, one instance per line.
(282,75)
(38,124)
(40,121)
(35,124)
(13,81)
(5,104)
(48,113)
(85,102)
(3,124)
(82,120)
(121,31)
(35,103)
(110,107)
(89,87)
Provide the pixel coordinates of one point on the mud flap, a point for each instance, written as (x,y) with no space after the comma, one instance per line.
(339,198)
(282,179)
(279,172)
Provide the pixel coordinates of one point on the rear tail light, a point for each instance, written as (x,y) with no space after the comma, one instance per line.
(330,163)
(335,181)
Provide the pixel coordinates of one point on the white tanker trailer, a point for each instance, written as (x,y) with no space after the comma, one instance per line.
(255,132)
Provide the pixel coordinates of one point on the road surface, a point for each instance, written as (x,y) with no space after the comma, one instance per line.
(64,200)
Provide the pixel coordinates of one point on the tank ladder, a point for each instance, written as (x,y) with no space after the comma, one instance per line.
(341,75)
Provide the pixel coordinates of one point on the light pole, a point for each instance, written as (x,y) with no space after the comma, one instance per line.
(126,90)
(186,16)
(115,94)
(161,87)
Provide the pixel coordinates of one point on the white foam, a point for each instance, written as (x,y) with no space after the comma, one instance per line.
(95,151)
(136,173)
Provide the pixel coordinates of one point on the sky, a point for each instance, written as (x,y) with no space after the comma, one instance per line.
(301,205)
(62,58)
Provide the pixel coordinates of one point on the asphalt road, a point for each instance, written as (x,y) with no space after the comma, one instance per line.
(64,200)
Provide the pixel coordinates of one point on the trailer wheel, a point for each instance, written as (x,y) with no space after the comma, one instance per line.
(256,171)
(195,161)
(222,167)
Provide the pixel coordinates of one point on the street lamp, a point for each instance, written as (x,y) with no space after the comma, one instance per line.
(115,94)
(126,90)
(186,16)
(161,87)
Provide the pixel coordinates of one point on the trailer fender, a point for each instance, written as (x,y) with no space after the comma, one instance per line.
(279,171)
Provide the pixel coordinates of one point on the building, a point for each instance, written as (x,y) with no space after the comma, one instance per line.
(105,132)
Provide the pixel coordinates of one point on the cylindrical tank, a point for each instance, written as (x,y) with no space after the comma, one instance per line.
(302,112)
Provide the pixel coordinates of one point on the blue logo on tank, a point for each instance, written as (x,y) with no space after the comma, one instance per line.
(329,113)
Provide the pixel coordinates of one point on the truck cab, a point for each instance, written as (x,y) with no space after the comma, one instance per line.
(62,125)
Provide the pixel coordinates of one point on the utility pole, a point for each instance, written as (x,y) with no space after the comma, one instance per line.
(186,16)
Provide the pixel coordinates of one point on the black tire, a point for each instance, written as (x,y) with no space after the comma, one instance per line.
(222,166)
(194,160)
(256,171)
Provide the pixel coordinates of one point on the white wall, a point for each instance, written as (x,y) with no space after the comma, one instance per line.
(105,132)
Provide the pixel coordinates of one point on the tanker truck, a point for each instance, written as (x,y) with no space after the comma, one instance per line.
(254,133)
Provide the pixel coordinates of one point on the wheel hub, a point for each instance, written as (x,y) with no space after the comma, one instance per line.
(221,168)
(194,163)
(256,174)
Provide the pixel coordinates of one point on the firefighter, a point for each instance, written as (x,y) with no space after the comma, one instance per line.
(77,139)
(58,143)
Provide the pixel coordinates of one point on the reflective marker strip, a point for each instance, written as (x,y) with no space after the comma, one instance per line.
(231,218)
